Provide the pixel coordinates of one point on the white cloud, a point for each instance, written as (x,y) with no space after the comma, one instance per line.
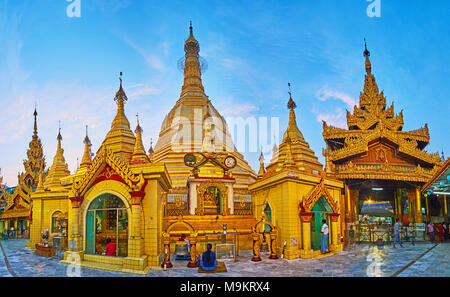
(238,109)
(151,59)
(326,94)
(337,118)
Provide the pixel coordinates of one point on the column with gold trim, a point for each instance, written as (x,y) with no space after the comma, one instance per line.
(306,251)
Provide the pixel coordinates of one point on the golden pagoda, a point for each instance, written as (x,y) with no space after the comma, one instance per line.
(209,177)
(16,211)
(294,195)
(376,159)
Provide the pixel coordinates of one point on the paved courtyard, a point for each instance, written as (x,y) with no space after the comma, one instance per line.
(355,261)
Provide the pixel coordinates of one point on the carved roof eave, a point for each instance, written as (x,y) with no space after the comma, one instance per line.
(396,137)
(383,176)
(384,171)
(105,157)
(331,132)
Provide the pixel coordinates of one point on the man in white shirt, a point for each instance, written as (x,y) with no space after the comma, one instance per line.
(324,232)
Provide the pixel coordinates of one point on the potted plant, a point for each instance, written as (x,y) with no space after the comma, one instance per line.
(45,235)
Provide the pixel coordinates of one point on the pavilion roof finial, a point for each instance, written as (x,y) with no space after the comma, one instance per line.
(367,55)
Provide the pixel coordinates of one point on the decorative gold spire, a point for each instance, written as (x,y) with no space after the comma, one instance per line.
(367,55)
(192,86)
(59,167)
(120,139)
(139,156)
(262,170)
(86,161)
(372,111)
(292,131)
(120,121)
(35,134)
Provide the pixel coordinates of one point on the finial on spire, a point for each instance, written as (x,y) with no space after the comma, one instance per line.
(120,78)
(291,103)
(366,51)
(367,55)
(59,131)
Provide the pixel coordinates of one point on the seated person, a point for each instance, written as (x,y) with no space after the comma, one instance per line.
(208,261)
(110,247)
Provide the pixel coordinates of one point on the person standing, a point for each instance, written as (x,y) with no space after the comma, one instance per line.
(110,247)
(324,231)
(431,231)
(440,232)
(397,234)
(445,226)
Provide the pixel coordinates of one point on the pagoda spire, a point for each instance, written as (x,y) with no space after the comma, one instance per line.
(59,168)
(120,121)
(192,70)
(292,131)
(35,133)
(367,55)
(120,139)
(261,165)
(139,156)
(86,161)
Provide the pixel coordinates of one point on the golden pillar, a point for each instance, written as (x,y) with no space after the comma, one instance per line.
(334,231)
(445,209)
(348,203)
(399,205)
(411,206)
(135,242)
(306,251)
(419,218)
(166,242)
(427,209)
(193,242)
(76,238)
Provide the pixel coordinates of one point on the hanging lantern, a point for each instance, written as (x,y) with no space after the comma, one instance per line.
(442,184)
(448,177)
(428,193)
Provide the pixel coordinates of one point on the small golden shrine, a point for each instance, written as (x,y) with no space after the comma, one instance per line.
(292,196)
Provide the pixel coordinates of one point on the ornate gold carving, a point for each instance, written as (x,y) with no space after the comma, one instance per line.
(314,194)
(106,156)
(200,210)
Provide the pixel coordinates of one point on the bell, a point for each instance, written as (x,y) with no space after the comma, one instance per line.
(181,252)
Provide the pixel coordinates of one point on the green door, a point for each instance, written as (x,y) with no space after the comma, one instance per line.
(320,212)
(90,232)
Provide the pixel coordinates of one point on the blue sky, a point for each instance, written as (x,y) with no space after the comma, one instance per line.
(70,66)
